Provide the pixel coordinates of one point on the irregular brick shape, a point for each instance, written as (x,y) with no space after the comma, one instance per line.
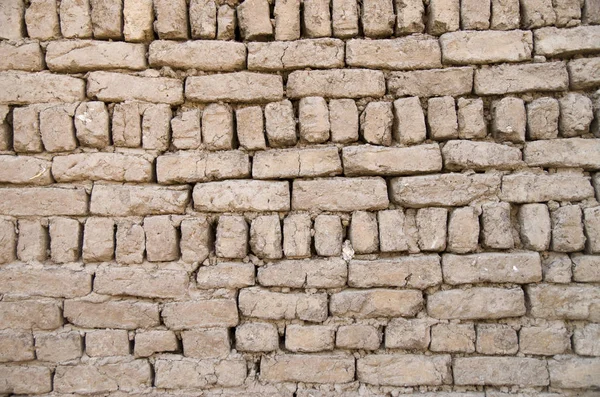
(24,380)
(186,167)
(493,267)
(508,79)
(19,170)
(195,373)
(101,166)
(299,54)
(419,272)
(395,54)
(338,83)
(51,282)
(200,314)
(574,373)
(461,154)
(498,371)
(126,200)
(242,196)
(234,87)
(530,188)
(309,338)
(225,56)
(443,189)
(582,73)
(476,303)
(226,275)
(118,87)
(43,201)
(572,152)
(16,346)
(404,370)
(376,303)
(552,41)
(88,55)
(123,314)
(340,194)
(30,315)
(309,273)
(264,304)
(472,47)
(375,160)
(27,57)
(545,301)
(21,88)
(307,368)
(140,282)
(294,163)
(433,82)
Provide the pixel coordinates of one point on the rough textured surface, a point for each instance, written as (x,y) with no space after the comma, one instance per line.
(311,198)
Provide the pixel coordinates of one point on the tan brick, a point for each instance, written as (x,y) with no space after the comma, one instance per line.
(496,339)
(123,200)
(53,282)
(186,133)
(476,303)
(443,16)
(289,55)
(231,237)
(583,301)
(253,18)
(313,120)
(576,115)
(496,228)
(408,334)
(21,88)
(75,19)
(586,340)
(567,229)
(226,275)
(155,127)
(130,243)
(505,14)
(107,18)
(24,380)
(41,18)
(442,119)
(264,304)
(339,194)
(26,57)
(376,123)
(554,42)
(378,18)
(171,19)
(127,124)
(405,271)
(343,118)
(226,23)
(65,240)
(16,346)
(471,120)
(308,273)
(297,236)
(461,154)
(118,87)
(498,371)
(581,73)
(123,314)
(409,16)
(200,314)
(242,196)
(443,189)
(234,87)
(376,303)
(542,118)
(531,188)
(19,170)
(364,232)
(26,135)
(30,315)
(338,83)
(266,237)
(134,281)
(361,337)
(557,267)
(203,18)
(496,267)
(5,129)
(293,163)
(433,82)
(508,79)
(545,340)
(395,54)
(568,12)
(88,55)
(431,228)
(250,128)
(101,166)
(138,17)
(591,12)
(102,378)
(509,119)
(287,19)
(280,124)
(33,241)
(571,152)
(391,370)
(206,343)
(194,373)
(535,229)
(98,240)
(574,373)
(11,20)
(149,342)
(225,55)
(370,160)
(196,239)
(585,268)
(92,124)
(475,14)
(107,343)
(453,338)
(57,128)
(309,338)
(58,347)
(328,235)
(186,167)
(317,18)
(256,337)
(8,236)
(307,368)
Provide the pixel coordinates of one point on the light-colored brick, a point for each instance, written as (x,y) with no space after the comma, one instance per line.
(190,167)
(250,128)
(338,83)
(17,170)
(75,19)
(128,200)
(328,235)
(376,123)
(576,115)
(123,314)
(264,304)
(431,228)
(433,82)
(299,54)
(33,241)
(297,236)
(409,16)
(43,201)
(266,237)
(557,267)
(496,339)
(89,379)
(392,370)
(226,275)
(16,346)
(256,337)
(21,88)
(372,160)
(442,119)
(287,20)
(107,18)
(544,340)
(253,18)
(11,20)
(344,18)
(409,121)
(375,303)
(545,301)
(92,124)
(138,17)
(127,124)
(130,243)
(58,347)
(231,237)
(185,129)
(476,303)
(196,239)
(156,122)
(471,120)
(199,373)
(496,228)
(591,217)
(200,314)
(505,15)
(57,128)
(242,196)
(475,14)
(471,47)
(542,118)
(364,232)
(531,188)
(149,342)
(27,57)
(171,19)
(34,379)
(107,343)
(339,194)
(308,273)
(443,16)
(225,56)
(571,152)
(296,163)
(498,371)
(41,19)
(206,343)
(508,79)
(8,236)
(307,368)
(87,55)
(581,73)
(65,239)
(394,54)
(203,19)
(509,119)
(574,373)
(406,334)
(30,314)
(101,166)
(309,338)
(462,154)
(53,282)
(280,124)
(118,87)
(359,337)
(494,267)
(567,229)
(234,87)
(554,42)
(135,281)
(453,338)
(463,230)
(392,231)
(537,13)
(535,228)
(586,340)
(418,272)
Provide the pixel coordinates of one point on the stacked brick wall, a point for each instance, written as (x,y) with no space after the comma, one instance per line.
(300,198)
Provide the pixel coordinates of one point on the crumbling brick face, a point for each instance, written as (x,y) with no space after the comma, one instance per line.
(312,198)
